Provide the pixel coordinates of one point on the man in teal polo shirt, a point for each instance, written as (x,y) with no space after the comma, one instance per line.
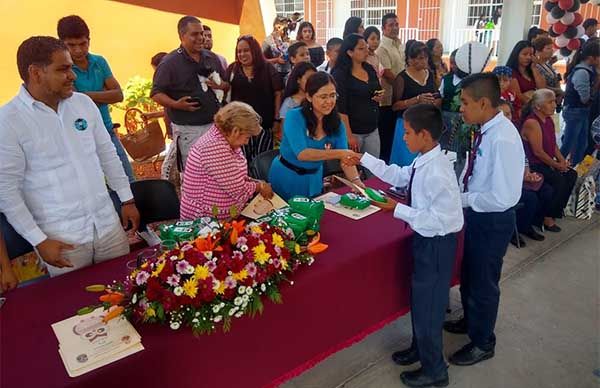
(94,77)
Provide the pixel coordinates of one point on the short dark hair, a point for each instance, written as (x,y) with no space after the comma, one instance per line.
(541,42)
(425,117)
(331,43)
(206,28)
(292,87)
(72,27)
(589,23)
(183,23)
(414,48)
(37,50)
(534,32)
(294,47)
(482,85)
(155,61)
(351,26)
(386,17)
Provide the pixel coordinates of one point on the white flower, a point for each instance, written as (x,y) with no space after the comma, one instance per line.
(189,270)
(245,299)
(222,305)
(263,288)
(217,319)
(244,248)
(239,314)
(134,299)
(195,320)
(178,291)
(238,301)
(249,291)
(208,255)
(233,311)
(173,258)
(216,309)
(244,306)
(175,325)
(242,289)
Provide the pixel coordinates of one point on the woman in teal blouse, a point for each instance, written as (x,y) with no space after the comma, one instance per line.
(312,134)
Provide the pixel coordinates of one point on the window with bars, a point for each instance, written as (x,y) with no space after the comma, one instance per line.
(536,15)
(287,7)
(485,8)
(371,11)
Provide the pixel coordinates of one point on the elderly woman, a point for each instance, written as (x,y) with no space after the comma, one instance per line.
(312,134)
(216,172)
(545,158)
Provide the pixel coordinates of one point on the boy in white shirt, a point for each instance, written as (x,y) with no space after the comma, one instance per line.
(434,212)
(333,51)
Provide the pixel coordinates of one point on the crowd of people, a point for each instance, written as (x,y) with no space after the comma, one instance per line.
(378,105)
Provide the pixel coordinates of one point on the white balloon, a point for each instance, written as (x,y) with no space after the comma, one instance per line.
(561,41)
(580,31)
(550,19)
(568,19)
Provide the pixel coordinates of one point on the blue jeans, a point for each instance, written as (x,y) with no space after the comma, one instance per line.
(122,155)
(575,138)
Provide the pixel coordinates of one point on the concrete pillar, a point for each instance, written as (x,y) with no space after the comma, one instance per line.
(516,21)
(341,13)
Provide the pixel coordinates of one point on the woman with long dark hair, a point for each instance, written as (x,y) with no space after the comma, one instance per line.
(295,89)
(539,141)
(306,34)
(359,95)
(436,63)
(354,25)
(526,77)
(256,82)
(312,134)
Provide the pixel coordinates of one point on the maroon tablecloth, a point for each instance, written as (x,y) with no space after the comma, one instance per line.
(354,288)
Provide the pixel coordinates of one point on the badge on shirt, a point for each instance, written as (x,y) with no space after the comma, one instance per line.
(327,146)
(80,124)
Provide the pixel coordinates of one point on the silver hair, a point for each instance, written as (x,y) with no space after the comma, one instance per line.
(540,96)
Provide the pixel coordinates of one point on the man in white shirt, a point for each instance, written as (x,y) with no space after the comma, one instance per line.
(391,56)
(591,28)
(55,153)
(492,183)
(434,212)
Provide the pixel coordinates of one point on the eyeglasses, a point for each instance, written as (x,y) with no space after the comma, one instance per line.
(325,97)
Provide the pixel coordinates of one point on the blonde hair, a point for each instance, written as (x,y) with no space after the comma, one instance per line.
(238,115)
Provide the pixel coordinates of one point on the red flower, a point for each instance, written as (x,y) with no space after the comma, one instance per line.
(154,289)
(220,272)
(229,294)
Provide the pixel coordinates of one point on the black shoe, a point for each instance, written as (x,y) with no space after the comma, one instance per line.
(456,327)
(554,228)
(513,241)
(406,357)
(470,355)
(417,378)
(532,234)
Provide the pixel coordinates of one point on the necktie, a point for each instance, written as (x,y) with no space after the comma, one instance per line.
(409,190)
(472,156)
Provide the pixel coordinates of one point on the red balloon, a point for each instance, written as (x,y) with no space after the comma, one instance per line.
(574,44)
(559,28)
(578,19)
(565,4)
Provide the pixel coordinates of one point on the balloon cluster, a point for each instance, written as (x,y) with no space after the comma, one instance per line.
(565,24)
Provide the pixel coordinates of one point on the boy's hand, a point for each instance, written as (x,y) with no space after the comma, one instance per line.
(388,206)
(8,279)
(351,159)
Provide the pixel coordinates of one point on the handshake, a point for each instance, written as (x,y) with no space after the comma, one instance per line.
(350,158)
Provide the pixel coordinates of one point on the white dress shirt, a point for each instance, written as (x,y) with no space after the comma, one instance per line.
(497,179)
(52,173)
(435,197)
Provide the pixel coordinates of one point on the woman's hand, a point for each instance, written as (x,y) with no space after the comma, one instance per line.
(563,166)
(351,158)
(426,98)
(353,143)
(8,279)
(264,189)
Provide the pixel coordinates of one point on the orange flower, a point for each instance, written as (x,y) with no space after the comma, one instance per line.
(114,312)
(316,247)
(207,244)
(114,298)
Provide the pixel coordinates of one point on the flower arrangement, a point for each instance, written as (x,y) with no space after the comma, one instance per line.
(220,275)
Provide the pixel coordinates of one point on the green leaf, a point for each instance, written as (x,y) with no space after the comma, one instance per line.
(226,324)
(160,312)
(233,211)
(215,211)
(86,310)
(255,306)
(274,295)
(96,288)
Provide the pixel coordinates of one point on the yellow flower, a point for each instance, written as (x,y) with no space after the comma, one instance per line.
(284,263)
(201,272)
(243,274)
(260,255)
(277,240)
(159,267)
(150,312)
(219,287)
(297,249)
(190,287)
(256,229)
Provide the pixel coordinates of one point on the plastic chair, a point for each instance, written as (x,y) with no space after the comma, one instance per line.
(260,166)
(156,200)
(15,243)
